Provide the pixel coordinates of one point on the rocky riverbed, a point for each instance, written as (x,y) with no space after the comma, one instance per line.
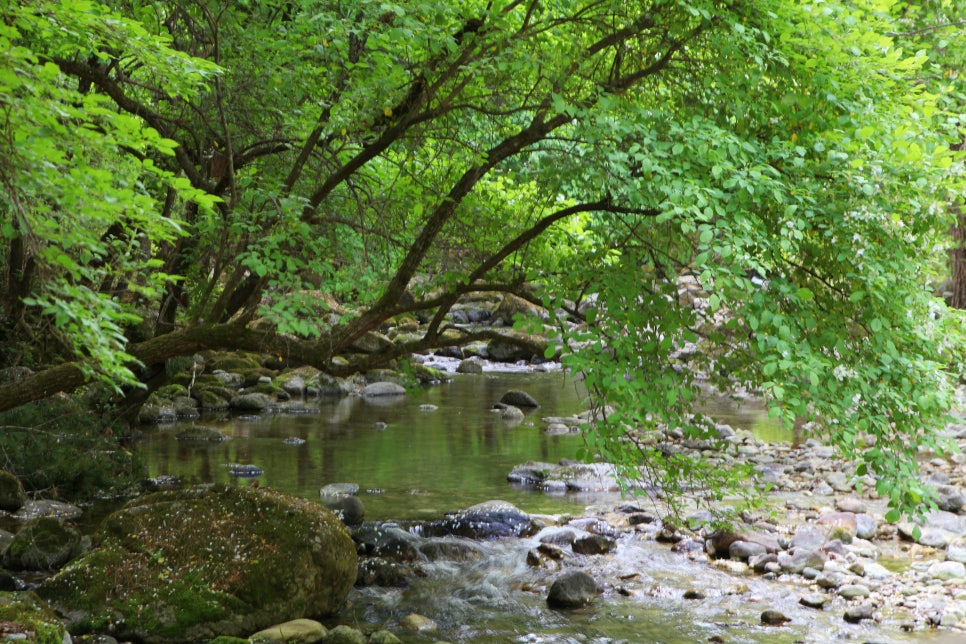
(821,565)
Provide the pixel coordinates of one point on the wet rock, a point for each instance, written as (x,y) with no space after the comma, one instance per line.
(387,540)
(572,590)
(12,494)
(545,555)
(858,614)
(417,623)
(47,508)
(519,399)
(814,600)
(43,544)
(693,593)
(510,413)
(559,537)
(378,571)
(348,508)
(483,521)
(593,544)
(383,388)
(452,549)
(472,366)
(298,631)
(774,618)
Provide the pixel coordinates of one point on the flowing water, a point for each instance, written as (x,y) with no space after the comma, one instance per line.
(443,449)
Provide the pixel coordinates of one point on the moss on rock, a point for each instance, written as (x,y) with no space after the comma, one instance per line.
(26,618)
(43,544)
(188,565)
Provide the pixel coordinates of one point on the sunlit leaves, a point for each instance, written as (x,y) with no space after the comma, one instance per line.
(81,190)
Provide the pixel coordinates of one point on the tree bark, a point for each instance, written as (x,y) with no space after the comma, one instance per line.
(957,299)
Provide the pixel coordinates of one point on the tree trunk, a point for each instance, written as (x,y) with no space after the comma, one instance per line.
(957,299)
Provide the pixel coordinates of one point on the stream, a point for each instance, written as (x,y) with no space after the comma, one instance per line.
(442,449)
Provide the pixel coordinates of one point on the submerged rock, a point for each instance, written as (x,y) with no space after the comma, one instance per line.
(191,564)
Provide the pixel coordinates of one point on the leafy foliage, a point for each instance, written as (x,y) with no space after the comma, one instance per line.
(287,176)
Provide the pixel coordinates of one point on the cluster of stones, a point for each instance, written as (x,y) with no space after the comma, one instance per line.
(832,540)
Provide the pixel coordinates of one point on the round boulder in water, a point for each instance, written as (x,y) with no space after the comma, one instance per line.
(383,388)
(572,590)
(486,520)
(519,399)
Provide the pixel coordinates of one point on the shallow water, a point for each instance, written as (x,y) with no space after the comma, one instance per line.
(421,464)
(425,463)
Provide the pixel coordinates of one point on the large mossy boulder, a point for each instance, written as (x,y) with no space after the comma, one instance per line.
(43,544)
(192,564)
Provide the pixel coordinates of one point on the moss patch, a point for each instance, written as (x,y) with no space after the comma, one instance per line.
(213,560)
(26,614)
